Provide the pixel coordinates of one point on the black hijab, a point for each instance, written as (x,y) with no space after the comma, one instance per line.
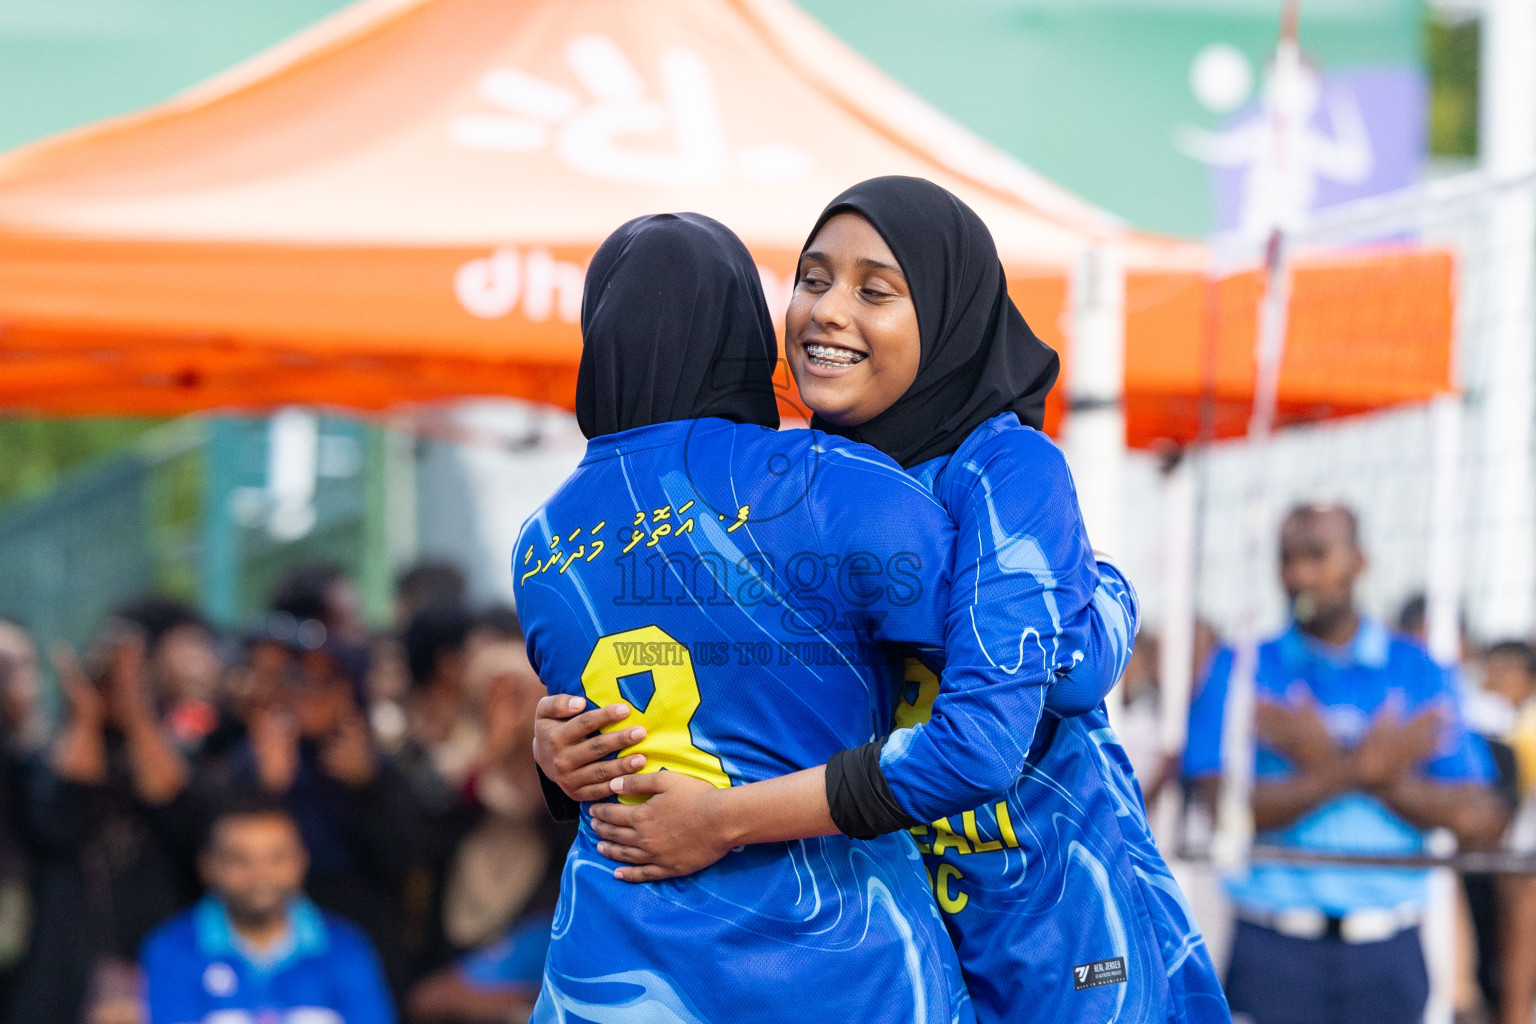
(674,327)
(980,358)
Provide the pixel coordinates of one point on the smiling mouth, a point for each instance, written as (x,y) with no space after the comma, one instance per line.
(833,356)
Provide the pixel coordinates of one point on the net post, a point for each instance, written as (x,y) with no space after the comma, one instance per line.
(1508,139)
(1442,593)
(1234,818)
(1176,637)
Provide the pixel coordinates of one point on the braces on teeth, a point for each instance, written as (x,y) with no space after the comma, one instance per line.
(826,355)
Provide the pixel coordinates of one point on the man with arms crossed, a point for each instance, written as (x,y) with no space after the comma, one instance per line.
(1361,749)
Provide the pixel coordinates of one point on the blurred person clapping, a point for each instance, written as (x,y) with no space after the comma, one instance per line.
(182,666)
(22,735)
(322,592)
(432,583)
(112,708)
(440,752)
(504,879)
(500,869)
(444,736)
(308,744)
(22,726)
(112,829)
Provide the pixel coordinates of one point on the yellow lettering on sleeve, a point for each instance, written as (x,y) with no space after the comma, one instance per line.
(944,838)
(918,831)
(950,901)
(1005,825)
(968,821)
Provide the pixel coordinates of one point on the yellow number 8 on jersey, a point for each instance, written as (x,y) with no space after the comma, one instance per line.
(666,711)
(919,689)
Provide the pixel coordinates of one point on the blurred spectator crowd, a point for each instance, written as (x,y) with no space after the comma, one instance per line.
(315,822)
(313,818)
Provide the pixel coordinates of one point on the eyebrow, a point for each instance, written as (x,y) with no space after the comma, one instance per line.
(864,262)
(878,265)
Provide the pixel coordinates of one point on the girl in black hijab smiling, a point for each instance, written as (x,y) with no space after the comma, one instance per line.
(901,334)
(970,357)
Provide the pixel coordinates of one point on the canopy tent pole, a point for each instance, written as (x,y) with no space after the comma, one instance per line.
(1095,423)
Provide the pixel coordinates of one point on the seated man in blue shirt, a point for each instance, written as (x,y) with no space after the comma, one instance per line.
(255,949)
(1360,749)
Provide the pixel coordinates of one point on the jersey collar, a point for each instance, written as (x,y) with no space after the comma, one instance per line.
(216,936)
(1368,648)
(653,435)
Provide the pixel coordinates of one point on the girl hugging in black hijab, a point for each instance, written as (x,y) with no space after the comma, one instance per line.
(674,326)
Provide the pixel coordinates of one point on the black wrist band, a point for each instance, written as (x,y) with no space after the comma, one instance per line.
(860,799)
(561,807)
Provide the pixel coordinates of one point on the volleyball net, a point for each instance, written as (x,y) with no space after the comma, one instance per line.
(1441,485)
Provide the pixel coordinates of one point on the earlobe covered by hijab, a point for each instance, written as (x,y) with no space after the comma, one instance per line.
(673,327)
(980,359)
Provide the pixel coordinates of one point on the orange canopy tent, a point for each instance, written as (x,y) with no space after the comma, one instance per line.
(397,206)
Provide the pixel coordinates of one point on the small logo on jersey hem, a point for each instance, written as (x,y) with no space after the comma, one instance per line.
(1100,972)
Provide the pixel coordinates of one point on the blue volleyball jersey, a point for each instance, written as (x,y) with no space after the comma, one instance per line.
(197,971)
(743,590)
(1059,903)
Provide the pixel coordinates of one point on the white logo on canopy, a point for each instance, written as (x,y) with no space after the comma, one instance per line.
(609,130)
(493,286)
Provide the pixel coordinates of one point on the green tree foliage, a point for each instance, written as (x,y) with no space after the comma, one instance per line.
(1451,53)
(33,452)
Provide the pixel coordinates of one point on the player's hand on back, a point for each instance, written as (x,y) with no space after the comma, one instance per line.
(574,755)
(674,832)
